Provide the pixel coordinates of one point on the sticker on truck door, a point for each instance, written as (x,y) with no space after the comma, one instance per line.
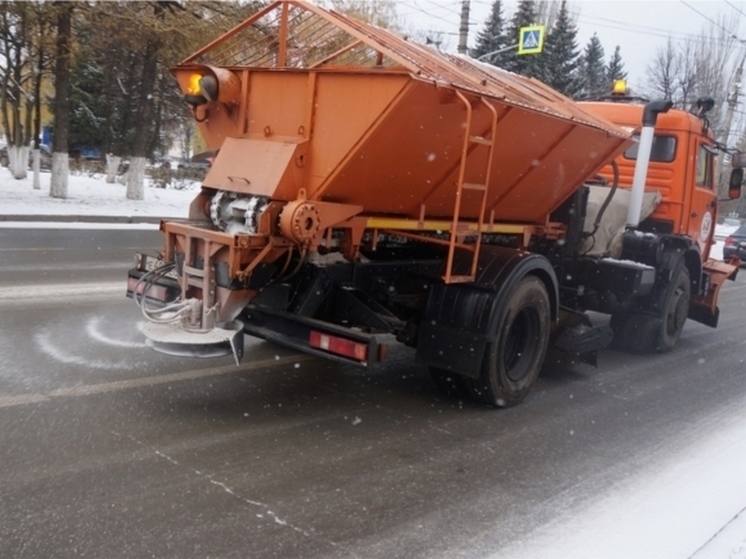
(706,227)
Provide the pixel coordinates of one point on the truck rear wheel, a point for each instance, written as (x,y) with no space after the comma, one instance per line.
(518,348)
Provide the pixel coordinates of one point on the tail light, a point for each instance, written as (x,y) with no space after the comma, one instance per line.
(340,346)
(729,241)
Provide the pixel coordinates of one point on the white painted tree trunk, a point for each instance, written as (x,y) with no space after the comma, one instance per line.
(36,163)
(17,163)
(60,171)
(112,166)
(136,179)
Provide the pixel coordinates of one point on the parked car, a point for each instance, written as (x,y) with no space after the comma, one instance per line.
(735,244)
(198,166)
(45,157)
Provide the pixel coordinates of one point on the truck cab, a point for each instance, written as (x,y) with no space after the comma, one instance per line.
(679,233)
(681,169)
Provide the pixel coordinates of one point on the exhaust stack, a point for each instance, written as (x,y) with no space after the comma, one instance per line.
(649,117)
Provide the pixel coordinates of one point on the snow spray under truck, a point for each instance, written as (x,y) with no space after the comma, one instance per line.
(369,191)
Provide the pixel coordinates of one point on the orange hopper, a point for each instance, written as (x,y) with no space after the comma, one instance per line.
(323,122)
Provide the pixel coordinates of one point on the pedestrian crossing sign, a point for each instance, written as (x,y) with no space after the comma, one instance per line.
(531,39)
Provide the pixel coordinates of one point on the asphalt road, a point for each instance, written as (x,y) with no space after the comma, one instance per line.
(109,449)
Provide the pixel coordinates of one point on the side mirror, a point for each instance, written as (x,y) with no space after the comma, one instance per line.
(734,185)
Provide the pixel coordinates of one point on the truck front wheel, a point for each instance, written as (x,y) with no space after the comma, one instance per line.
(644,333)
(518,348)
(675,312)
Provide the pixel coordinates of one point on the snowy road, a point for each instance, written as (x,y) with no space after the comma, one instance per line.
(111,450)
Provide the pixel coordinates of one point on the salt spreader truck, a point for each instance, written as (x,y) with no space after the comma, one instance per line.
(369,191)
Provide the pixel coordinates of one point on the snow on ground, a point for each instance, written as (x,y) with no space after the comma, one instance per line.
(90,196)
(688,505)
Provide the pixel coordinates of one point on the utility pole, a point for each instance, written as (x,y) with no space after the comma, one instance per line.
(732,102)
(463,35)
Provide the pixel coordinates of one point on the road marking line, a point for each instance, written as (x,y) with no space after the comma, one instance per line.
(22,399)
(115,386)
(61,290)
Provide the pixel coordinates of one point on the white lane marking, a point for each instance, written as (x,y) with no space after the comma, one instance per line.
(115,386)
(93,330)
(140,225)
(61,290)
(22,399)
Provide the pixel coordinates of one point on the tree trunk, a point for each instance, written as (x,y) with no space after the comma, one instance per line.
(60,171)
(21,162)
(35,165)
(144,115)
(136,179)
(60,159)
(112,167)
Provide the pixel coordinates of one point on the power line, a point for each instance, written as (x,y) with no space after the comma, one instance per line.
(715,23)
(735,8)
(650,31)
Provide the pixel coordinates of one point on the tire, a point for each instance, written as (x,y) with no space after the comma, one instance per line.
(517,351)
(636,332)
(675,312)
(643,333)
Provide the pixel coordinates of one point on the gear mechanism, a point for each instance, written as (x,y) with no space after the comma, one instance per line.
(233,213)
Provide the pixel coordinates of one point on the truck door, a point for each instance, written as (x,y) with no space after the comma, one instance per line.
(702,210)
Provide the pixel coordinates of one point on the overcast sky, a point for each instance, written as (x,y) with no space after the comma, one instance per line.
(639,27)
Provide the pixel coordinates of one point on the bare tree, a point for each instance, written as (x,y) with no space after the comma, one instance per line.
(702,66)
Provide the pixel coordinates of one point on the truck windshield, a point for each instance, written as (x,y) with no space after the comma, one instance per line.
(664,149)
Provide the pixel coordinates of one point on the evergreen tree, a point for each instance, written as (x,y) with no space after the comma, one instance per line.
(594,82)
(526,64)
(562,55)
(492,38)
(615,67)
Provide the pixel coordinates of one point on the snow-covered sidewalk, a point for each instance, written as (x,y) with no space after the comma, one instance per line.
(89,196)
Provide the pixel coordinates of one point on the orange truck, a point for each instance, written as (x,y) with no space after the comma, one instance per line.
(369,191)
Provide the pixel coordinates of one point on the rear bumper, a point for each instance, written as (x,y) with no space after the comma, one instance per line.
(295,332)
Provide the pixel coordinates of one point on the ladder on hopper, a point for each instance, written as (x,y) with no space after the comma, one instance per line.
(459,229)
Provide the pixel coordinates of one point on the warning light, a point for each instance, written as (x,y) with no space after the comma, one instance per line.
(619,87)
(193,94)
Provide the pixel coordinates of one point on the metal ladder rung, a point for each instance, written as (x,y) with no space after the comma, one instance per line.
(480,140)
(462,279)
(475,186)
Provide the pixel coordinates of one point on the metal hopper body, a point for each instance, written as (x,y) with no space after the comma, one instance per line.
(329,129)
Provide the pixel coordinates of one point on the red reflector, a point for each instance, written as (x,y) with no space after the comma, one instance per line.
(157,292)
(340,346)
